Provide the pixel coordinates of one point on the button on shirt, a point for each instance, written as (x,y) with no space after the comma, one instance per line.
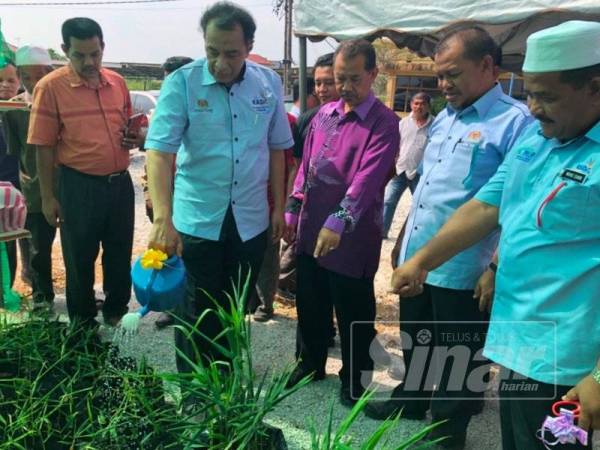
(222,139)
(548,278)
(346,162)
(465,149)
(85,124)
(413,139)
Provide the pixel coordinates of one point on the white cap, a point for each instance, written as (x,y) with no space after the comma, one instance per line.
(29,55)
(571,45)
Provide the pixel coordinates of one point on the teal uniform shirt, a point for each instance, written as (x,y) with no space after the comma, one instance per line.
(222,138)
(545,320)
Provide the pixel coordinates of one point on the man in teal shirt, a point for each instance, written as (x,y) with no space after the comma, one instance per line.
(224,118)
(468,141)
(545,326)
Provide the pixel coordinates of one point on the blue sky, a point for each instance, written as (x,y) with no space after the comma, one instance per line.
(144,32)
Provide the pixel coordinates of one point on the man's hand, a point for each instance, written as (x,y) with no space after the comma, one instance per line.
(484,290)
(289,233)
(165,237)
(51,210)
(133,139)
(408,279)
(326,241)
(587,393)
(277,225)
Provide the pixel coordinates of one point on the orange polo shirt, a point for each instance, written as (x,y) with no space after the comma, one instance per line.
(85,124)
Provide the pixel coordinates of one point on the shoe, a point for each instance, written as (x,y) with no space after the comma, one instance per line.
(300,373)
(390,408)
(262,315)
(346,398)
(164,320)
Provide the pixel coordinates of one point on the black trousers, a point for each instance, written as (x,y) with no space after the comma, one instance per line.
(354,301)
(212,267)
(522,412)
(96,211)
(40,253)
(450,321)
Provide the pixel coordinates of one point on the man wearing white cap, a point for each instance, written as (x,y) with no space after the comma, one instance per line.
(545,326)
(33,63)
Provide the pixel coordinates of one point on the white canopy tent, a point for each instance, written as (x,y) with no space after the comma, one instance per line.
(418,25)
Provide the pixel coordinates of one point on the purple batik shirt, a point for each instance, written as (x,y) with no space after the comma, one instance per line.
(347,160)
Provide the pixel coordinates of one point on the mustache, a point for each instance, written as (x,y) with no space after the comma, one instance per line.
(544,119)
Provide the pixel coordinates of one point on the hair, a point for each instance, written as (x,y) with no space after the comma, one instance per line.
(81,28)
(325,60)
(578,78)
(310,88)
(226,16)
(355,47)
(477,43)
(175,62)
(422,96)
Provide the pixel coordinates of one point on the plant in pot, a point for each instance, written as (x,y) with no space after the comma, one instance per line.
(227,398)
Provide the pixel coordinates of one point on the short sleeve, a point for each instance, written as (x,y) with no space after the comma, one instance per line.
(491,192)
(280,133)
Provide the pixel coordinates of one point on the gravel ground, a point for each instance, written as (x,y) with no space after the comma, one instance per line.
(273,348)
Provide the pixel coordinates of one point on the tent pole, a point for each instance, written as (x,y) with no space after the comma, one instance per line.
(302,81)
(510,84)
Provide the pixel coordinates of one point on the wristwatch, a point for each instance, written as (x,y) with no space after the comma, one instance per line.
(493,266)
(596,374)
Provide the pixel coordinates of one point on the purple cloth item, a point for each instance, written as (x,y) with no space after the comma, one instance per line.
(347,160)
(563,428)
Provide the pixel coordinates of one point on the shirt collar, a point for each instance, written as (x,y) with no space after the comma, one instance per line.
(208,79)
(361,110)
(75,80)
(594,133)
(483,104)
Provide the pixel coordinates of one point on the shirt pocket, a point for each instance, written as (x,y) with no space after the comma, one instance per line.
(258,111)
(209,124)
(561,210)
(460,164)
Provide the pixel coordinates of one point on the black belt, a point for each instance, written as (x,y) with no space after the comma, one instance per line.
(110,178)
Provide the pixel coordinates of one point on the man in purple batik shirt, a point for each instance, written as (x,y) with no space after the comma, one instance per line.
(335,215)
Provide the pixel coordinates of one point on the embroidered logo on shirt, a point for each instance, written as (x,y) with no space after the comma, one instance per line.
(587,167)
(202,103)
(525,155)
(474,137)
(260,104)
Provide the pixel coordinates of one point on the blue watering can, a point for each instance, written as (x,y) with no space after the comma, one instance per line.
(159,289)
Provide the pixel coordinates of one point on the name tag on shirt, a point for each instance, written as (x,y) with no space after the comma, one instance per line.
(573,175)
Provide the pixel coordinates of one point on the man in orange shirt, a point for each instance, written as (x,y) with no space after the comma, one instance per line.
(78,119)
